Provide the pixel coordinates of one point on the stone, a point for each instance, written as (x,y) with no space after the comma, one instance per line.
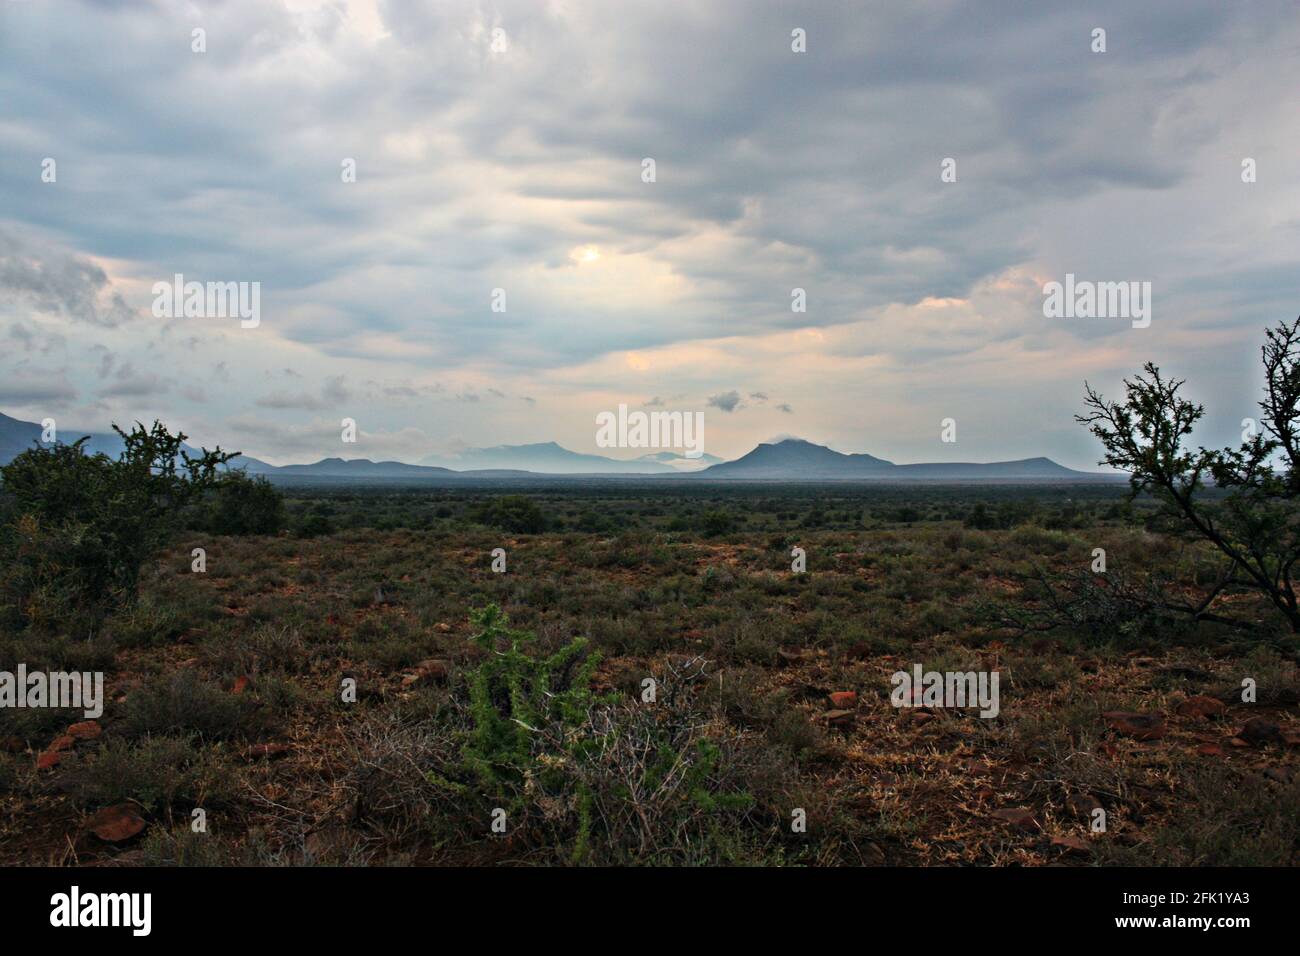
(1260,731)
(116,823)
(1072,844)
(839,718)
(1138,726)
(1019,817)
(426,672)
(85,730)
(1202,705)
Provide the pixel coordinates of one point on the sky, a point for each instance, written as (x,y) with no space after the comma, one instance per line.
(502,146)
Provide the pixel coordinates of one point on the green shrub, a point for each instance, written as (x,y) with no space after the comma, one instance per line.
(716,523)
(78,528)
(242,505)
(647,775)
(513,697)
(517,514)
(316,524)
(156,772)
(184,704)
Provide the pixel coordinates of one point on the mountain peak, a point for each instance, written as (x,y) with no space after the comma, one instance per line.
(797,459)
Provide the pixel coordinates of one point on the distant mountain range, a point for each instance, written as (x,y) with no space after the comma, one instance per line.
(18,436)
(798,460)
(548,458)
(792,460)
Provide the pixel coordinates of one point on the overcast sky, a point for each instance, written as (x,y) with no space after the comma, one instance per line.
(513,160)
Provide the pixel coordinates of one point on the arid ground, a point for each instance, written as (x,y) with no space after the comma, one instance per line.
(228,690)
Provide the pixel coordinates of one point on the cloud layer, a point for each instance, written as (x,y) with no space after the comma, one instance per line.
(502,147)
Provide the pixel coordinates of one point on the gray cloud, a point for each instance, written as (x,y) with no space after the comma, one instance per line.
(726,401)
(332,393)
(126,382)
(35,388)
(54,281)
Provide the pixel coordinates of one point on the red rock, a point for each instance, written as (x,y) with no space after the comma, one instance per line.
(242,683)
(842,699)
(48,760)
(268,751)
(85,730)
(1071,844)
(839,718)
(1260,731)
(1137,726)
(442,628)
(1018,817)
(426,672)
(1210,750)
(117,823)
(922,717)
(435,668)
(1201,705)
(63,742)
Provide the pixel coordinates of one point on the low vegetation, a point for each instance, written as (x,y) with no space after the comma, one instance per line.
(347,680)
(226,691)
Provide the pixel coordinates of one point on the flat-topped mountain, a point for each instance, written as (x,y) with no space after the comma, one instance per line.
(797,460)
(547,458)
